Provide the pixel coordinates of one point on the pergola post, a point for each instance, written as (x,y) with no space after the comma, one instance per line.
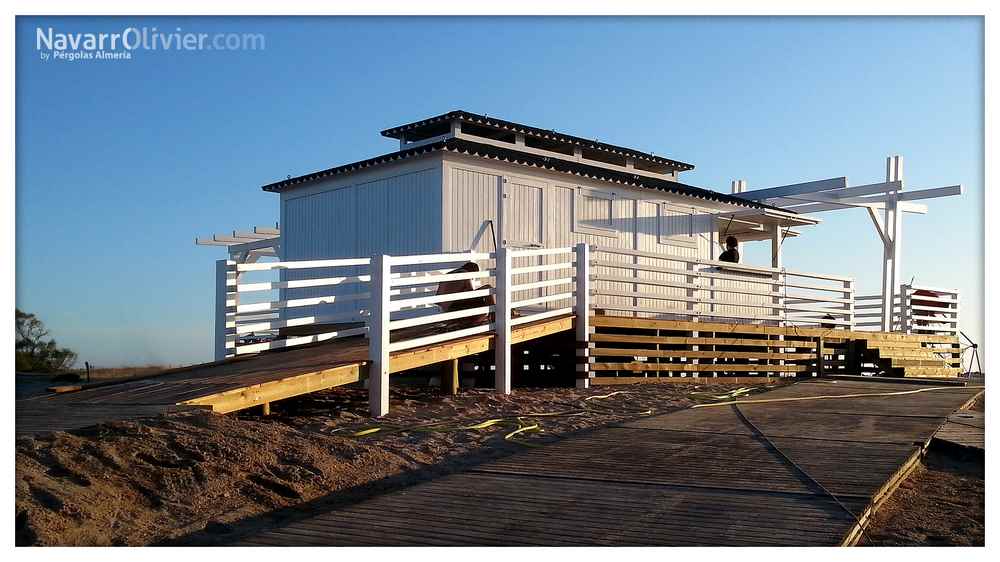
(737,186)
(776,263)
(892,244)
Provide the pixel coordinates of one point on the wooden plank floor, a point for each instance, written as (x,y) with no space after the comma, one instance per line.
(696,477)
(244,382)
(965,429)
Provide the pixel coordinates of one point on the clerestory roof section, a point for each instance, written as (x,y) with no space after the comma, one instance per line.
(510,155)
(545,138)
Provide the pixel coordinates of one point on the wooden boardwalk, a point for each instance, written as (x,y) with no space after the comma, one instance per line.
(964,429)
(701,476)
(245,382)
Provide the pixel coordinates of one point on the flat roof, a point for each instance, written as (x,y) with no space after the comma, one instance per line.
(430,127)
(488,151)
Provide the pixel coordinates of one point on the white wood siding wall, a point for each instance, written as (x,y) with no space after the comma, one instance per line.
(393,209)
(446,202)
(470,199)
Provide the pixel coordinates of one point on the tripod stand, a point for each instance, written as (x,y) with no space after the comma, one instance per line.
(974,356)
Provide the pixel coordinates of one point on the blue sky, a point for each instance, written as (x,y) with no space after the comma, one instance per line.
(121,163)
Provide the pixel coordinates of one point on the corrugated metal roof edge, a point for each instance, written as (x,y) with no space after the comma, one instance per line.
(525,159)
(394,132)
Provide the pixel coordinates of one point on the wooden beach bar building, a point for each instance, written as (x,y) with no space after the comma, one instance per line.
(599,251)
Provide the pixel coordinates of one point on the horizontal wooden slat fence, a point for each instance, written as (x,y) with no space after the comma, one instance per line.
(929,310)
(648,285)
(916,309)
(264,315)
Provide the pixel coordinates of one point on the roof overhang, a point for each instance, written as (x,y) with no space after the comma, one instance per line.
(513,156)
(434,126)
(758,224)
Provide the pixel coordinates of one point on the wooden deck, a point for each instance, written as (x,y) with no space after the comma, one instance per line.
(965,430)
(244,382)
(696,477)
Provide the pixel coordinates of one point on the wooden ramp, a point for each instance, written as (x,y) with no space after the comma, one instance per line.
(697,477)
(246,382)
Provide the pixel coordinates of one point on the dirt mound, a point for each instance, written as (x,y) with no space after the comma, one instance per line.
(941,504)
(195,477)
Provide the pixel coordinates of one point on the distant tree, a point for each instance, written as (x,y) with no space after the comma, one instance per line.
(33,352)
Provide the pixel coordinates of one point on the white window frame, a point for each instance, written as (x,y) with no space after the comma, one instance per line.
(579,228)
(689,241)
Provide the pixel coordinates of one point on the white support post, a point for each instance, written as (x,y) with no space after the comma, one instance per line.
(776,263)
(378,336)
(892,248)
(582,311)
(779,281)
(905,310)
(693,294)
(737,187)
(849,307)
(225,309)
(503,300)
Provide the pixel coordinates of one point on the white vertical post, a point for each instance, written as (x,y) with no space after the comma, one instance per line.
(693,278)
(737,186)
(892,249)
(849,307)
(583,315)
(378,336)
(776,263)
(502,341)
(779,282)
(225,309)
(905,310)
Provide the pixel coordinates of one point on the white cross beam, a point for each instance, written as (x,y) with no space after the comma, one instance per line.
(885,202)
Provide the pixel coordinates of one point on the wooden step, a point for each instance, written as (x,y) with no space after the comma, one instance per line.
(896,362)
(688,367)
(930,372)
(670,353)
(913,355)
(894,345)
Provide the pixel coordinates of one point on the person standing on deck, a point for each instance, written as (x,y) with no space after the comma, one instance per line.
(732,254)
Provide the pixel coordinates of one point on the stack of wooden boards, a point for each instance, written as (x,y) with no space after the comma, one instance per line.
(625,350)
(913,357)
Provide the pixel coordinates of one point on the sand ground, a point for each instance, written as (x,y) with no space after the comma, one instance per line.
(200,478)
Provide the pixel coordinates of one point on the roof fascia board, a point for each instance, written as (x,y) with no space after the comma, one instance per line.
(794,189)
(503,124)
(558,156)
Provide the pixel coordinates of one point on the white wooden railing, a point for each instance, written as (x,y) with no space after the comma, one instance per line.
(518,287)
(916,309)
(412,301)
(251,316)
(645,284)
(868,313)
(929,310)
(396,301)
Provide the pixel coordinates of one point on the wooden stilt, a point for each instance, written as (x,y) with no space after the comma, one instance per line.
(449,377)
(267,408)
(820,368)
